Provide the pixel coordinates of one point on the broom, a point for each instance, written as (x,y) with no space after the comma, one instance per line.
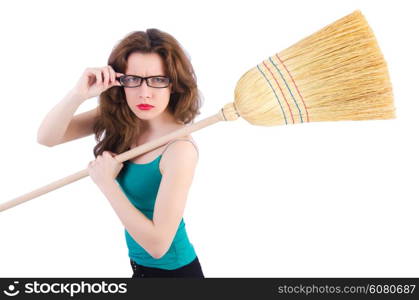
(337,73)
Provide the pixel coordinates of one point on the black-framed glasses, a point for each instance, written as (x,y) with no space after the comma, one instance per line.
(132,81)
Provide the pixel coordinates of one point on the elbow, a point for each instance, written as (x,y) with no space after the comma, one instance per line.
(156,255)
(158,252)
(44,142)
(156,246)
(159,249)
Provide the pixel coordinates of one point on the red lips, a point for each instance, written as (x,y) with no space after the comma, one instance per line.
(145,106)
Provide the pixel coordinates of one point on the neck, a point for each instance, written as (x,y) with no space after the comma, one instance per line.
(161,125)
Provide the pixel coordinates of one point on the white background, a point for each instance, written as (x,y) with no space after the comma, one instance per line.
(319,199)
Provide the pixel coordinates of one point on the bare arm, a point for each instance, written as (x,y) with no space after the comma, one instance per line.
(81,125)
(156,235)
(59,125)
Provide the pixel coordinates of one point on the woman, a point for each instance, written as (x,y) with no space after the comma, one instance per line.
(147,90)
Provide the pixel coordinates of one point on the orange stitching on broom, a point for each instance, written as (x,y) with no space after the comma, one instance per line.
(292,117)
(302,99)
(276,96)
(289,90)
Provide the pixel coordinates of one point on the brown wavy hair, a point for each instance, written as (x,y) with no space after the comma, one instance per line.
(117,127)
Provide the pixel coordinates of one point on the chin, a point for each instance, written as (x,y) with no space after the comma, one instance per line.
(146,115)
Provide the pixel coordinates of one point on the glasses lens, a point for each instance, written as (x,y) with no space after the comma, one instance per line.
(158,82)
(130,81)
(134,81)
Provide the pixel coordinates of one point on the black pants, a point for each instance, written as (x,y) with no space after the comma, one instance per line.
(193,269)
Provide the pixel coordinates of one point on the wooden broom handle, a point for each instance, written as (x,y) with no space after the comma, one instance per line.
(221,116)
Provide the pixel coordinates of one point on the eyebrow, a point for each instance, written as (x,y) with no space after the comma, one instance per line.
(145,76)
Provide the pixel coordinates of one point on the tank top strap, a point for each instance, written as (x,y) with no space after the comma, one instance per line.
(171,142)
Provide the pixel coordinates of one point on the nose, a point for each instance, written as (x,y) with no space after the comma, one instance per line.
(144,90)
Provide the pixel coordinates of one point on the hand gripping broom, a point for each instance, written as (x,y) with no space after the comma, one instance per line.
(337,73)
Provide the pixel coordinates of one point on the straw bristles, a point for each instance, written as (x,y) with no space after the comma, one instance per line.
(337,73)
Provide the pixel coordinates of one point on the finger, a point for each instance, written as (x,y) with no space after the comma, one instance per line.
(112,73)
(119,75)
(115,80)
(105,72)
(99,80)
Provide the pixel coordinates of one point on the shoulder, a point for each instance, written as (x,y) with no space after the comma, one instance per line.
(180,155)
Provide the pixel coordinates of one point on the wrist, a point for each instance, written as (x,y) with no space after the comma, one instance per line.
(76,96)
(106,184)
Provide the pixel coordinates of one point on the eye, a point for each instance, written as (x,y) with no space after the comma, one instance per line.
(132,79)
(159,79)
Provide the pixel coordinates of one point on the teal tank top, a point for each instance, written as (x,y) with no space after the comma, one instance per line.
(140,183)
